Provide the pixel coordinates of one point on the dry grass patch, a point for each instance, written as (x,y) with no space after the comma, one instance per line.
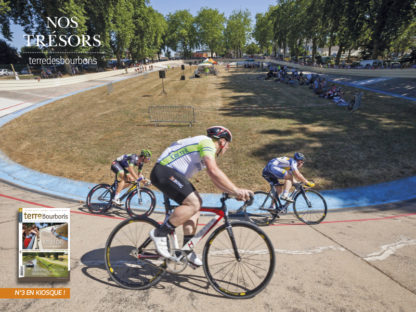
(78,137)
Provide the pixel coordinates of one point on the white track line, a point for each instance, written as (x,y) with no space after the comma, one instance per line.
(389,249)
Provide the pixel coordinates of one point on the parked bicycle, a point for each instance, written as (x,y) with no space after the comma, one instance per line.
(309,206)
(139,200)
(238,257)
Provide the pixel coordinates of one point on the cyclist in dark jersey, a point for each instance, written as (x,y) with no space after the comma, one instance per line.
(128,168)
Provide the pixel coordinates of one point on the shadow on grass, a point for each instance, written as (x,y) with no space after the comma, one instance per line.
(375,144)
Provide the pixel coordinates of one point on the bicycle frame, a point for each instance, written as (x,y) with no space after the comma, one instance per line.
(131,189)
(220,213)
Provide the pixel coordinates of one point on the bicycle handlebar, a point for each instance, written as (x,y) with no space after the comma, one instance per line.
(226,196)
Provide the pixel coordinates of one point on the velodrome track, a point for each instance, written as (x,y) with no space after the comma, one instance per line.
(360,259)
(21,101)
(356,260)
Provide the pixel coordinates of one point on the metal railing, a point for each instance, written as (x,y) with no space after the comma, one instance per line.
(172,114)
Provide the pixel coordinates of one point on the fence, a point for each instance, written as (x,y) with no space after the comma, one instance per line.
(173,114)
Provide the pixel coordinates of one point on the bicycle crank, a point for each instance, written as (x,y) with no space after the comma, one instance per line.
(176,264)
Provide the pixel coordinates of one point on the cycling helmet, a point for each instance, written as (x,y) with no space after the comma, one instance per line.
(219,132)
(299,156)
(146,153)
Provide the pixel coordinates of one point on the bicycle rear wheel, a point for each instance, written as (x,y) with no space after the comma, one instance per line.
(263,209)
(131,258)
(310,207)
(239,278)
(142,205)
(99,198)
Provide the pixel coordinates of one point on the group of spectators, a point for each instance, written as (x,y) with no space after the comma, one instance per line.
(318,84)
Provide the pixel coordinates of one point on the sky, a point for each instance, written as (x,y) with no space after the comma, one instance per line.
(169,6)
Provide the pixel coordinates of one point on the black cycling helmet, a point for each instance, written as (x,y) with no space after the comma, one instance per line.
(219,132)
(299,156)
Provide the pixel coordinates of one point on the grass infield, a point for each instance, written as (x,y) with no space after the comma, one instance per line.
(78,137)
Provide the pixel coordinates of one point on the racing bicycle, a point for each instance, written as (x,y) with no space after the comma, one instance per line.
(139,200)
(309,206)
(238,257)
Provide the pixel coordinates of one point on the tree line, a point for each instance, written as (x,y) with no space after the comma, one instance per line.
(133,28)
(376,27)
(126,27)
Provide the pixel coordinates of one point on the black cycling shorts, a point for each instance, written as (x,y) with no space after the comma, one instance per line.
(116,167)
(172,183)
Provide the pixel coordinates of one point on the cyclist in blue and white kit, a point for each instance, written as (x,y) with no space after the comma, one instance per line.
(287,169)
(128,168)
(175,166)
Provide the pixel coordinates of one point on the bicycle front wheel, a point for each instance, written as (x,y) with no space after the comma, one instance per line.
(244,277)
(263,209)
(310,207)
(131,258)
(99,198)
(140,203)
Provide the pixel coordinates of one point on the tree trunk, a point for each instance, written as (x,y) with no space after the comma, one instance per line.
(67,66)
(341,47)
(313,50)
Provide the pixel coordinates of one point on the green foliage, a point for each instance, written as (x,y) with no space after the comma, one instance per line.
(149,29)
(181,34)
(4,21)
(252,49)
(376,26)
(122,27)
(8,54)
(237,31)
(263,32)
(210,29)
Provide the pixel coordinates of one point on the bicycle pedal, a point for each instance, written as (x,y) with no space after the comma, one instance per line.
(193,266)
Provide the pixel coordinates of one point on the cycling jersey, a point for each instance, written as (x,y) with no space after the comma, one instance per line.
(128,160)
(125,161)
(278,167)
(186,156)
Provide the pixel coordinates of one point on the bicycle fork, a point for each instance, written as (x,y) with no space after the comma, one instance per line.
(234,244)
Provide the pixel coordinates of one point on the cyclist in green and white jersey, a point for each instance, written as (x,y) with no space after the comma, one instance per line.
(175,166)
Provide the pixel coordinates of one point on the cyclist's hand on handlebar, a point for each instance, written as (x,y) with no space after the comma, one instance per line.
(310,184)
(243,194)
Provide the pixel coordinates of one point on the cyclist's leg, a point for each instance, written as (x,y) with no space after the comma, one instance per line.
(120,176)
(288,182)
(272,175)
(187,213)
(177,187)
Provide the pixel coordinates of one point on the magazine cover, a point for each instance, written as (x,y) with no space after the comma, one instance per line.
(44,244)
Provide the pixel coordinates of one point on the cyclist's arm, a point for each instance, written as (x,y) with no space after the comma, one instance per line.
(132,172)
(220,179)
(299,176)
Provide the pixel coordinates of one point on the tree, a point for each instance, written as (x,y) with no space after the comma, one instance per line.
(263,32)
(181,34)
(237,31)
(210,29)
(122,27)
(385,19)
(8,54)
(149,29)
(4,20)
(252,49)
(31,52)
